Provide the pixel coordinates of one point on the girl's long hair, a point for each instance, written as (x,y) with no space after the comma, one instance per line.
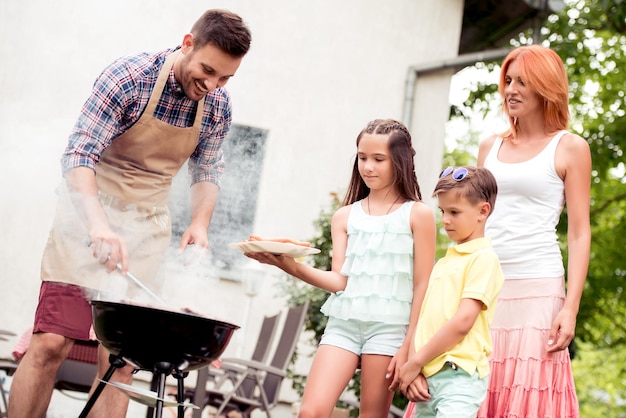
(402,157)
(544,73)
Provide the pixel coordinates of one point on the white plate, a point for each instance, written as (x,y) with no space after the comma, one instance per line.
(145,396)
(291,250)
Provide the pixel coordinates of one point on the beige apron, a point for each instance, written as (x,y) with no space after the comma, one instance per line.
(134,177)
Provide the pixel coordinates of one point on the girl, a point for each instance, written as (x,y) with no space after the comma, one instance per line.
(383,252)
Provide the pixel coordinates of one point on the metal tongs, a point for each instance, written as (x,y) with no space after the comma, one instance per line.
(141,284)
(132,278)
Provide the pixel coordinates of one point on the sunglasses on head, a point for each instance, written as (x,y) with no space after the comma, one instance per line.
(458,174)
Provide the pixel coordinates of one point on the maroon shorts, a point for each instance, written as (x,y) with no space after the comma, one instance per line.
(63,309)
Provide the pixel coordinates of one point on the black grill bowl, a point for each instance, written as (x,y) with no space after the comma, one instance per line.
(148,337)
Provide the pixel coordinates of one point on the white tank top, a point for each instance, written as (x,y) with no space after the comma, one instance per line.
(528,206)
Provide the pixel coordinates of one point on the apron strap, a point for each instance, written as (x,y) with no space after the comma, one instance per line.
(160,85)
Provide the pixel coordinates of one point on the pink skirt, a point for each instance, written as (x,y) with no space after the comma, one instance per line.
(525,380)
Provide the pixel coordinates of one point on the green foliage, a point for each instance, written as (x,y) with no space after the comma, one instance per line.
(590,36)
(464,152)
(599,396)
(481,96)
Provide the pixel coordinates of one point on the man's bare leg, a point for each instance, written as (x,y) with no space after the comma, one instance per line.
(33,381)
(112,402)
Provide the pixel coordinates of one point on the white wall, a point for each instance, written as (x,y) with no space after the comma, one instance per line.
(316,73)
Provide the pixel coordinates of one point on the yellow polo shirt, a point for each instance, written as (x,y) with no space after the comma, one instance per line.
(470,270)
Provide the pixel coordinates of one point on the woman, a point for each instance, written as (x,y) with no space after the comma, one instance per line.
(539,166)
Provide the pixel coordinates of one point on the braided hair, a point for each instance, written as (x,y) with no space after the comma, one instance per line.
(402,156)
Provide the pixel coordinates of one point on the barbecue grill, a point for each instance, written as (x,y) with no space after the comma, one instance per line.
(159,341)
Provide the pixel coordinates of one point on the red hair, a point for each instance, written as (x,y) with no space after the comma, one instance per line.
(544,73)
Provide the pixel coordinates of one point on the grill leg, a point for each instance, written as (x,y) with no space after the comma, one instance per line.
(116,363)
(154,384)
(159,375)
(180,380)
(158,413)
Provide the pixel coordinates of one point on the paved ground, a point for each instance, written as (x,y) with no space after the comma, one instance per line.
(70,405)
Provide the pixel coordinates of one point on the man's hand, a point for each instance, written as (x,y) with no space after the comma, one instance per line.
(195,234)
(108,248)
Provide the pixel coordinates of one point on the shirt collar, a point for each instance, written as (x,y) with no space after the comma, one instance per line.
(471,246)
(175,88)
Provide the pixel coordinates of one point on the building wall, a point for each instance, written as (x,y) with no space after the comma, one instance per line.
(316,73)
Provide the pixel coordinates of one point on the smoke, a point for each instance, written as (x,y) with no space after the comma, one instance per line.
(154,258)
(183,277)
(180,280)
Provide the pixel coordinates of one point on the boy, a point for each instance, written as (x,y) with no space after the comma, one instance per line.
(446,373)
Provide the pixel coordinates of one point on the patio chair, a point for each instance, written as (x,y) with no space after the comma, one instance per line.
(8,366)
(228,365)
(256,385)
(261,350)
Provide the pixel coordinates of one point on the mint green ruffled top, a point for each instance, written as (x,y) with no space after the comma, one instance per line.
(379,267)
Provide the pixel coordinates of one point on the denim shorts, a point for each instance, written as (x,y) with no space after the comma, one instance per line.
(362,337)
(454,394)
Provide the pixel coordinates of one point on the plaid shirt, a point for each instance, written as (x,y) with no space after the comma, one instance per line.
(119,97)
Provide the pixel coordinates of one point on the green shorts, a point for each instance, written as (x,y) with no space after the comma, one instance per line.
(454,394)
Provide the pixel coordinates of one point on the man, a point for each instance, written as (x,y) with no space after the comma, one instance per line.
(146,116)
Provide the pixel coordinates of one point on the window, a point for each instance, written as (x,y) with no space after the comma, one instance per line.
(233,218)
